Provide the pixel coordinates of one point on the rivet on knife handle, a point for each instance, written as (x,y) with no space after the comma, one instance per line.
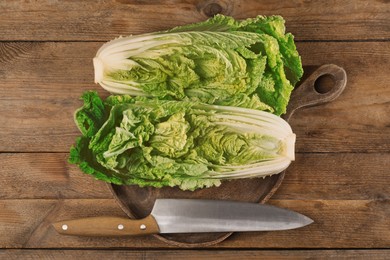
(107,226)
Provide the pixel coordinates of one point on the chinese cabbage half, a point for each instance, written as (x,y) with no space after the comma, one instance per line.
(151,142)
(251,63)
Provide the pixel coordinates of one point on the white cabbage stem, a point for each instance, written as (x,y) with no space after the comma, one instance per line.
(289,151)
(99,69)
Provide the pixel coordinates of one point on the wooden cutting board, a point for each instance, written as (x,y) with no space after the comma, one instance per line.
(323,85)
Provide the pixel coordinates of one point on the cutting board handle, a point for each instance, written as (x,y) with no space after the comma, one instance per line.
(309,93)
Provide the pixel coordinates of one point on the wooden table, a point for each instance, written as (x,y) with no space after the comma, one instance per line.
(340,178)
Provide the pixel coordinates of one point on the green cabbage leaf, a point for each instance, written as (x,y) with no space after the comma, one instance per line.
(151,142)
(251,63)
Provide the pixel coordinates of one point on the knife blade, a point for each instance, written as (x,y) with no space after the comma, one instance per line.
(189,216)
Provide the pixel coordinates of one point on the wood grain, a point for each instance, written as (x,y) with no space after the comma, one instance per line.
(47,79)
(338,224)
(340,177)
(90,20)
(14,254)
(349,176)
(345,176)
(46,175)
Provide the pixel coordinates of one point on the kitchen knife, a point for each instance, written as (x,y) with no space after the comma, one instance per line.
(189,216)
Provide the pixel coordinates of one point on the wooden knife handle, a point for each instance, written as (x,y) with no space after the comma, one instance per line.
(107,226)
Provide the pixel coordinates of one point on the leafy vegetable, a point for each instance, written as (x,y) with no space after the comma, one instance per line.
(151,142)
(251,63)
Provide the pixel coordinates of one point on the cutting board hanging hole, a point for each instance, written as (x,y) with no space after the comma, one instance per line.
(324,83)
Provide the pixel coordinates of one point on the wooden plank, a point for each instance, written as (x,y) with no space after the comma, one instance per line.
(41,87)
(350,176)
(338,224)
(193,254)
(46,175)
(41,84)
(336,176)
(103,20)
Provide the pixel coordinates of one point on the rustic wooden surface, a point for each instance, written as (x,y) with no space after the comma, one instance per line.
(340,178)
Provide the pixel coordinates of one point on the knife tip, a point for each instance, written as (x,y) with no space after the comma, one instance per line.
(307,221)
